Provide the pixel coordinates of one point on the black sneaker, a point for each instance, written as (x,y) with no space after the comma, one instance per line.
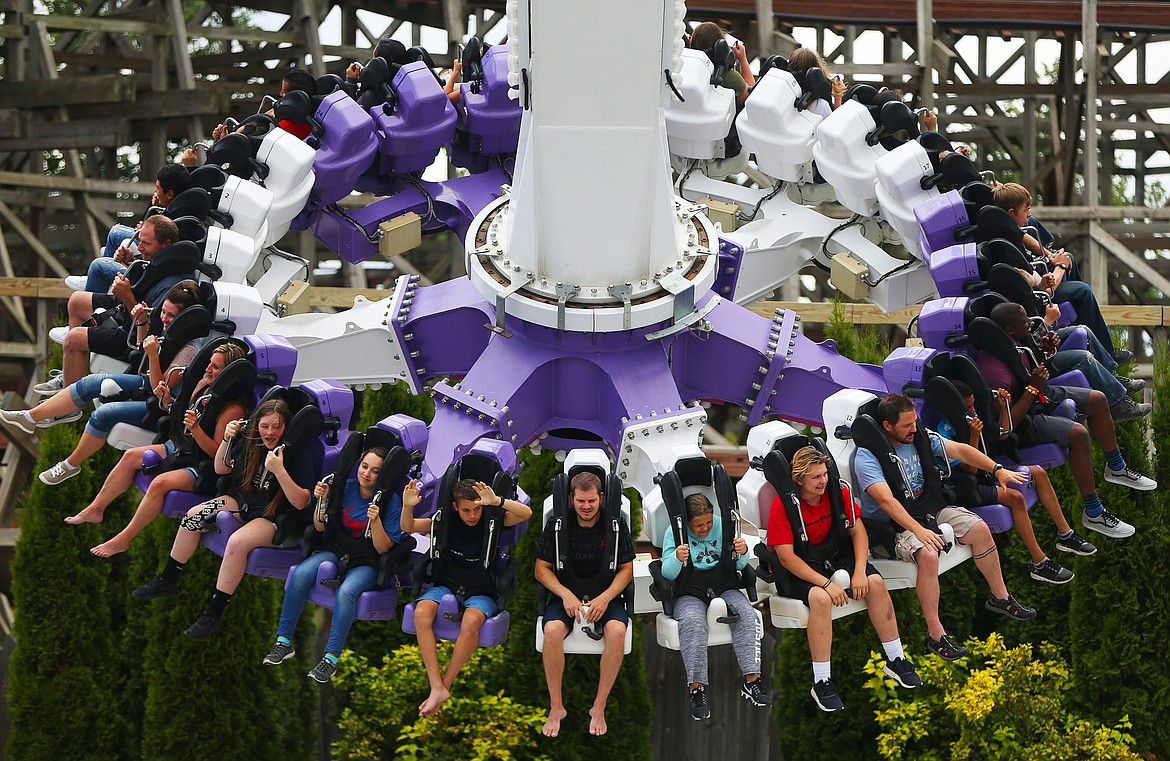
(700,708)
(1127,409)
(323,671)
(204,627)
(156,587)
(1051,571)
(280,652)
(1132,385)
(1076,544)
(1122,356)
(755,692)
(825,694)
(902,671)
(1010,607)
(946,648)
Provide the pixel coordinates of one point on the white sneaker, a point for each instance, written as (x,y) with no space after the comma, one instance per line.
(58,334)
(54,384)
(1108,524)
(18,419)
(77,282)
(1131,478)
(60,472)
(68,417)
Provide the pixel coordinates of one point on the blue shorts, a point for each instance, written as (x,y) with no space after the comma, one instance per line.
(484,604)
(554,610)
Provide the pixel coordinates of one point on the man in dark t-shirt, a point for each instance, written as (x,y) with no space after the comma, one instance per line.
(460,571)
(585,594)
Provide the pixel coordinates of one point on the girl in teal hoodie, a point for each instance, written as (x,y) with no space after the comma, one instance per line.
(703,549)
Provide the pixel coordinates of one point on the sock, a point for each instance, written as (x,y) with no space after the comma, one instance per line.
(171,571)
(284,640)
(1067,535)
(331,658)
(1093,506)
(1114,459)
(219,601)
(893,649)
(822,670)
(1037,563)
(28,416)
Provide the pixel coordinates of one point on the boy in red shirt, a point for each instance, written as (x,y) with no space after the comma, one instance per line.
(831,537)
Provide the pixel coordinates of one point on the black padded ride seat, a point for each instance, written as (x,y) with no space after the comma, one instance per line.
(472,64)
(194,202)
(773,62)
(1001,251)
(893,117)
(957,171)
(720,55)
(862,93)
(994,222)
(375,84)
(180,258)
(816,86)
(935,141)
(209,177)
(1010,283)
(327,85)
(298,107)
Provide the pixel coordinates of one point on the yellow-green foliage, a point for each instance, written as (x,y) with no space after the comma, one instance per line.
(999,703)
(381,720)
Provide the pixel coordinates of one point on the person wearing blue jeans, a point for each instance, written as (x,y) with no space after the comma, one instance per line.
(345,531)
(66,404)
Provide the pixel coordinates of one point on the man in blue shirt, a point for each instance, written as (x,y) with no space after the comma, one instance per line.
(915,505)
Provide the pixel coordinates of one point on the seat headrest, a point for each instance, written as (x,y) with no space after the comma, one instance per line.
(594,469)
(896,116)
(472,66)
(479,467)
(419,53)
(863,94)
(976,195)
(209,177)
(958,170)
(815,86)
(1000,251)
(869,434)
(328,84)
(192,228)
(374,73)
(231,149)
(1012,285)
(935,141)
(296,106)
(192,202)
(694,471)
(720,55)
(773,62)
(981,306)
(994,222)
(987,336)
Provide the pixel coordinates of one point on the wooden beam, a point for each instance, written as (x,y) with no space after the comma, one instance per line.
(109,24)
(58,182)
(41,93)
(1138,264)
(31,241)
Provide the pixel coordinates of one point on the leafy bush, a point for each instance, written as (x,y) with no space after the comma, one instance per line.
(999,703)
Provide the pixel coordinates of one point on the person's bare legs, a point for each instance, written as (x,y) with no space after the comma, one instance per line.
(60,403)
(554,671)
(116,484)
(820,625)
(611,663)
(425,612)
(1080,459)
(87,445)
(1014,501)
(1100,421)
(253,534)
(148,509)
(79,307)
(986,557)
(881,609)
(927,588)
(75,356)
(1048,498)
(186,541)
(465,645)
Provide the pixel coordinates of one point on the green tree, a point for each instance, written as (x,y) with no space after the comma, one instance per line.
(64,673)
(998,704)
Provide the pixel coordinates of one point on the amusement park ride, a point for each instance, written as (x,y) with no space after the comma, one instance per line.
(603,306)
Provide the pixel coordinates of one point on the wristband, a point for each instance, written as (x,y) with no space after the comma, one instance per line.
(998,467)
(1032,390)
(826,584)
(142,324)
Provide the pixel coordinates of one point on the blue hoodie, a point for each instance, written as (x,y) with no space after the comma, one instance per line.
(705,551)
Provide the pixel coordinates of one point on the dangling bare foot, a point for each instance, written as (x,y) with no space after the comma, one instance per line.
(430,706)
(111,548)
(90,514)
(597,721)
(552,726)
